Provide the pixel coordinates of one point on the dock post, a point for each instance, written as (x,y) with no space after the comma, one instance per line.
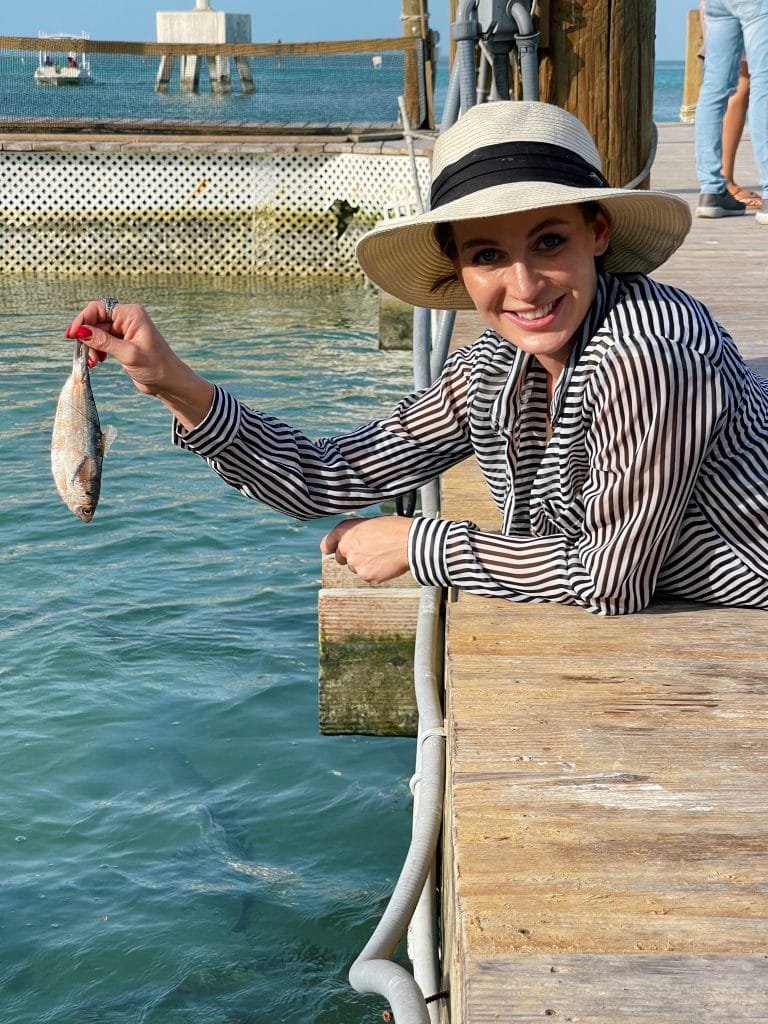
(246,77)
(694,67)
(597,61)
(418,76)
(190,73)
(218,72)
(164,72)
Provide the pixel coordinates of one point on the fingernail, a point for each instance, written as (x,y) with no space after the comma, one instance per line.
(84,333)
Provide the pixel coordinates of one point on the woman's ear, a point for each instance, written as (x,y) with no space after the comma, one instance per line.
(602,228)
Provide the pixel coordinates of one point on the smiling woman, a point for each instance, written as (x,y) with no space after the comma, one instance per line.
(621,435)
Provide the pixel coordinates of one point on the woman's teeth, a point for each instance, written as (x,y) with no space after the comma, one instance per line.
(536,314)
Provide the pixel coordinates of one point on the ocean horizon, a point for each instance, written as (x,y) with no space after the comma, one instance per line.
(346,88)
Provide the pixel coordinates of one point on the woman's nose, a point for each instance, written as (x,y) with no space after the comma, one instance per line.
(522,279)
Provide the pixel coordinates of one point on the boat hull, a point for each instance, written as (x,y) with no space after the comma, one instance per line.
(59,76)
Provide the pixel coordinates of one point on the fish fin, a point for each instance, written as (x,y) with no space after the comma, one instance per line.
(108,439)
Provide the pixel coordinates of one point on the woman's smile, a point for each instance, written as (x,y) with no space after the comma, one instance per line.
(540,317)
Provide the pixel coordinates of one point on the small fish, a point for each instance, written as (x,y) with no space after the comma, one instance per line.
(78,444)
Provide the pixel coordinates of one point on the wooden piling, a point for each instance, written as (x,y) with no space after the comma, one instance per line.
(599,64)
(419,73)
(694,67)
(596,60)
(365,653)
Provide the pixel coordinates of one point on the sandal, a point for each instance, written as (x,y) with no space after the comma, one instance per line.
(752,200)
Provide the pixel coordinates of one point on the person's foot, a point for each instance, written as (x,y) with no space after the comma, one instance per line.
(762,214)
(719,204)
(752,200)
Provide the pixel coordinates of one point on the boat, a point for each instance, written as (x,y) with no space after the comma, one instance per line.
(63,60)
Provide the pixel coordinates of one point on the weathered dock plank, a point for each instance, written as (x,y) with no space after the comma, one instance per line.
(606,829)
(366,638)
(647,989)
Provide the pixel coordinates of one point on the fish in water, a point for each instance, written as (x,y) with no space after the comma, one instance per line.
(78,444)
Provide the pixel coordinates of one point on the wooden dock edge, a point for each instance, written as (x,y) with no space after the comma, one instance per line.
(366,645)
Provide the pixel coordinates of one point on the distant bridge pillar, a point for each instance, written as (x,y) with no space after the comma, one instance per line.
(202,25)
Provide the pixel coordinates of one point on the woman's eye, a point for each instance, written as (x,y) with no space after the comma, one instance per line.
(551,241)
(484,257)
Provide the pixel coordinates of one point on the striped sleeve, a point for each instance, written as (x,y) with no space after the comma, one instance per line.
(266,459)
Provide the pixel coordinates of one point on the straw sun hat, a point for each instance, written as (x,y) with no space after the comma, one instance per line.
(507,157)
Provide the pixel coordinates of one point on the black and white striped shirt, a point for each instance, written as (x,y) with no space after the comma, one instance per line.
(649,473)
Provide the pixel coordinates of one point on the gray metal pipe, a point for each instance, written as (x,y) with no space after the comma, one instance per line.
(373,971)
(466,32)
(422,329)
(442,341)
(527,42)
(452,98)
(412,903)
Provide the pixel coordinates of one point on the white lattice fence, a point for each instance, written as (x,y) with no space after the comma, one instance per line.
(270,213)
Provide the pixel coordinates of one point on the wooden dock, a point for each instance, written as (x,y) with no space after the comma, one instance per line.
(605,852)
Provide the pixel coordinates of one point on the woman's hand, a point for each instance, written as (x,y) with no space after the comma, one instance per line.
(130,336)
(374,549)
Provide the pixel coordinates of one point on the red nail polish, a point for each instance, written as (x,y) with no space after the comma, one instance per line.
(84,333)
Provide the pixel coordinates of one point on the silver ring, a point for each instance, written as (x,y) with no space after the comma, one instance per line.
(109,305)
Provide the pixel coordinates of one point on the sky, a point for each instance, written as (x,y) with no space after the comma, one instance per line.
(297,21)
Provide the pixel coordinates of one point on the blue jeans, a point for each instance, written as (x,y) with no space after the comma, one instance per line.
(734,28)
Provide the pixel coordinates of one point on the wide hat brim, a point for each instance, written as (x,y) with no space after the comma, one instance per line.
(404,259)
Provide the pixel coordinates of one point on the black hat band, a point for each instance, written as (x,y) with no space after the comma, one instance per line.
(509,162)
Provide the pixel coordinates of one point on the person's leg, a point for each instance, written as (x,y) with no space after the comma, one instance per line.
(733,128)
(721,69)
(753,15)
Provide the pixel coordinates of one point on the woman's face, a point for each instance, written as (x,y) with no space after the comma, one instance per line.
(532,275)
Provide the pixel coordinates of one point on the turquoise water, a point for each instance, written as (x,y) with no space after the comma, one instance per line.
(294,89)
(179,844)
(668,90)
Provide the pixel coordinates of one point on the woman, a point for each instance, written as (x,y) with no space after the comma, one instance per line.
(622,437)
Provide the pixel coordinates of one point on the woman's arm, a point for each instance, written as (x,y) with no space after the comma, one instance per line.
(269,460)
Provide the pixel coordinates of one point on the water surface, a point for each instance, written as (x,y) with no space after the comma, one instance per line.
(178,842)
